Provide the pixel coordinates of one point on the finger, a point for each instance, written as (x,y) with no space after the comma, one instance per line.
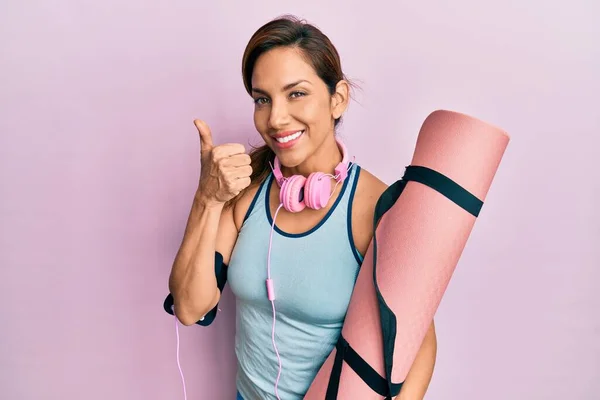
(206,142)
(242,183)
(228,150)
(234,162)
(240,160)
(241,172)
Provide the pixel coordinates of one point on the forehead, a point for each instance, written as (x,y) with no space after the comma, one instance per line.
(280,66)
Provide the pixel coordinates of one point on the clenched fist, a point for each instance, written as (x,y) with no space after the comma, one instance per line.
(225,169)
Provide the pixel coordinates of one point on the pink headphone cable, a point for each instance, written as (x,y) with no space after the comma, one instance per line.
(271,295)
(271,289)
(178,363)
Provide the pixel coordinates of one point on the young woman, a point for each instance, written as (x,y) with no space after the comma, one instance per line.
(311,252)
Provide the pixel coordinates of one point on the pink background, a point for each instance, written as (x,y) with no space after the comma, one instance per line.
(99,162)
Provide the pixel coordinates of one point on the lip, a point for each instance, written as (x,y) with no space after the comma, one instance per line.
(286,133)
(289,144)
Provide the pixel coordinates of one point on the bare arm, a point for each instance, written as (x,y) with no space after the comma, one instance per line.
(225,171)
(192,281)
(368,192)
(418,378)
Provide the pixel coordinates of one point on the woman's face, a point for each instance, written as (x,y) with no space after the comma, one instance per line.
(294,112)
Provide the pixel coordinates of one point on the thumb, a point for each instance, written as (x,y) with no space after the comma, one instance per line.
(206,142)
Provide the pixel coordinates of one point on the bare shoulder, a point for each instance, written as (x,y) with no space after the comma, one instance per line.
(242,205)
(368,190)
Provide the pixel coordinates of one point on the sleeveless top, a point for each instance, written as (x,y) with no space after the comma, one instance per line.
(313,275)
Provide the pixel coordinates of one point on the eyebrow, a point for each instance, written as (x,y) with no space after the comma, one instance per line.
(286,87)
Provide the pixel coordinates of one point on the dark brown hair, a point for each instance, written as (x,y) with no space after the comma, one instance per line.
(318,51)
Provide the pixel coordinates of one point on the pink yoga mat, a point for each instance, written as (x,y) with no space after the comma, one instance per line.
(419,241)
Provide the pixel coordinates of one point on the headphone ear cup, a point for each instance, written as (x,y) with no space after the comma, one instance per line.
(317,190)
(290,194)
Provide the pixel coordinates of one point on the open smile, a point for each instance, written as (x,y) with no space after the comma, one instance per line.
(288,139)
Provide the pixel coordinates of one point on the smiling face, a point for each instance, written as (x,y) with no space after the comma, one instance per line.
(294,111)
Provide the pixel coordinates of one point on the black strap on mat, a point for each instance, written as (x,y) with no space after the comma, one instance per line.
(344,351)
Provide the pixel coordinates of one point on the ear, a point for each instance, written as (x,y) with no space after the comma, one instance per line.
(339,100)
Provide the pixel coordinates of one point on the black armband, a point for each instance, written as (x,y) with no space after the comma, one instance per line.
(221,275)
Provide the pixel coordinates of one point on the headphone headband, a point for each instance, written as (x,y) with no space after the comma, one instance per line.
(341,170)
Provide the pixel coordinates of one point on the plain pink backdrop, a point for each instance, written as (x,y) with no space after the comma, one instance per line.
(99,163)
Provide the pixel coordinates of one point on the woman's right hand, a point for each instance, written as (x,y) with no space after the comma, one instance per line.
(224,170)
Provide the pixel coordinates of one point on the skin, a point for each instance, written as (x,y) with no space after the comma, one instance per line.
(309,106)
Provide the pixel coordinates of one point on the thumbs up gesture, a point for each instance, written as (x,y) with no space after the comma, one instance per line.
(225,169)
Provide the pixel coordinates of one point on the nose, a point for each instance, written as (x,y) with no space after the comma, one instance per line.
(279,116)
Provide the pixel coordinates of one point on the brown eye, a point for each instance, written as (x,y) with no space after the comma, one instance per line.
(297,94)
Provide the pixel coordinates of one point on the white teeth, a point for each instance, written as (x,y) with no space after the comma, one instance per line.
(290,137)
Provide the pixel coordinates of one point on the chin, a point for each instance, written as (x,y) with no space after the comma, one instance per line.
(290,159)
(290,156)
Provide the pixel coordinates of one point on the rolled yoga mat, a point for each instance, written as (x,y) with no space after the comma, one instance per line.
(422,225)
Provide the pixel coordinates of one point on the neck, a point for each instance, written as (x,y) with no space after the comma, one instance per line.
(324,159)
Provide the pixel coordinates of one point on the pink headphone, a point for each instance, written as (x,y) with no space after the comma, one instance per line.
(298,192)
